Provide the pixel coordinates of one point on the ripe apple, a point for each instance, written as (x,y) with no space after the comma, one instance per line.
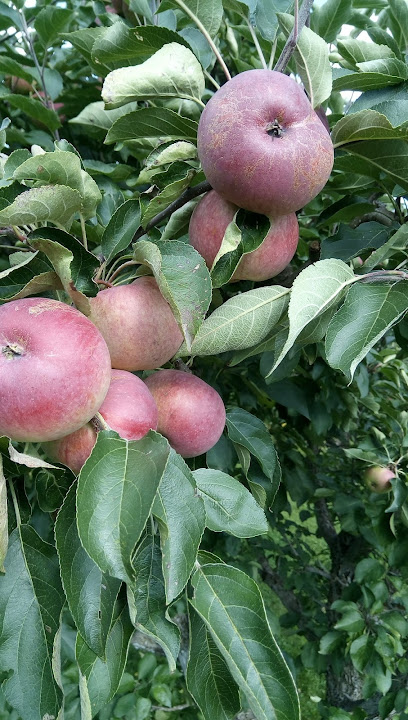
(261,144)
(138,325)
(191,412)
(54,369)
(378,478)
(209,222)
(128,408)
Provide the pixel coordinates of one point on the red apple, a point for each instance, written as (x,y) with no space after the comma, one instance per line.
(129,409)
(54,369)
(378,478)
(209,222)
(261,144)
(138,325)
(191,412)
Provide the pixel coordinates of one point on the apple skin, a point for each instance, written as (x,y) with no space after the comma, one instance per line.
(378,479)
(129,409)
(191,412)
(54,369)
(138,325)
(209,222)
(241,155)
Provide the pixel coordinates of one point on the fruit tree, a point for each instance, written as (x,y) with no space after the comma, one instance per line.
(203,359)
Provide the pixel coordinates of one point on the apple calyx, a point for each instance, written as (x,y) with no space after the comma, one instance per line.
(12,350)
(274,129)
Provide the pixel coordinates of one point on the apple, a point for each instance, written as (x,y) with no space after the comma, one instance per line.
(378,479)
(54,369)
(138,325)
(128,408)
(262,146)
(209,222)
(191,412)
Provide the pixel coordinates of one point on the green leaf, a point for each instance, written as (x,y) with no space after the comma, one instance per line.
(3,518)
(312,61)
(31,600)
(315,289)
(231,606)
(51,487)
(170,193)
(34,109)
(208,678)
(120,45)
(95,118)
(148,599)
(121,228)
(229,506)
(91,594)
(173,71)
(373,74)
(181,516)
(396,244)
(33,276)
(389,101)
(207,13)
(361,652)
(358,51)
(166,154)
(83,40)
(243,235)
(365,125)
(328,19)
(389,156)
(247,431)
(51,21)
(367,313)
(100,678)
(50,203)
(62,168)
(73,264)
(241,322)
(348,242)
(116,489)
(12,67)
(153,123)
(398,11)
(183,279)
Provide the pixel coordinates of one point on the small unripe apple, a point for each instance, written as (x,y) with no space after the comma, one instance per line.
(261,144)
(191,412)
(138,325)
(378,479)
(129,409)
(209,222)
(54,369)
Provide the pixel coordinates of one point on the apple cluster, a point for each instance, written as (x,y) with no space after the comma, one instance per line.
(262,148)
(64,376)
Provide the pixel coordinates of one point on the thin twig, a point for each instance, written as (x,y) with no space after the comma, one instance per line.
(170,709)
(300,21)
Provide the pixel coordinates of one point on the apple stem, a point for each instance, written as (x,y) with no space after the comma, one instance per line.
(301,17)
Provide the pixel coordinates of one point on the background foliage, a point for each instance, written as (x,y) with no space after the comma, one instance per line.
(312,556)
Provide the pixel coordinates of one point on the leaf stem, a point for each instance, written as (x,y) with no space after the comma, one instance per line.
(301,17)
(83,228)
(15,503)
(256,43)
(207,37)
(118,270)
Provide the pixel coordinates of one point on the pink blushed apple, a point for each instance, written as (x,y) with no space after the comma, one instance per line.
(261,144)
(54,369)
(378,479)
(138,325)
(209,222)
(129,409)
(191,412)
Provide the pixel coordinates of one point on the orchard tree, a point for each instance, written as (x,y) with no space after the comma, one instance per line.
(216,529)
